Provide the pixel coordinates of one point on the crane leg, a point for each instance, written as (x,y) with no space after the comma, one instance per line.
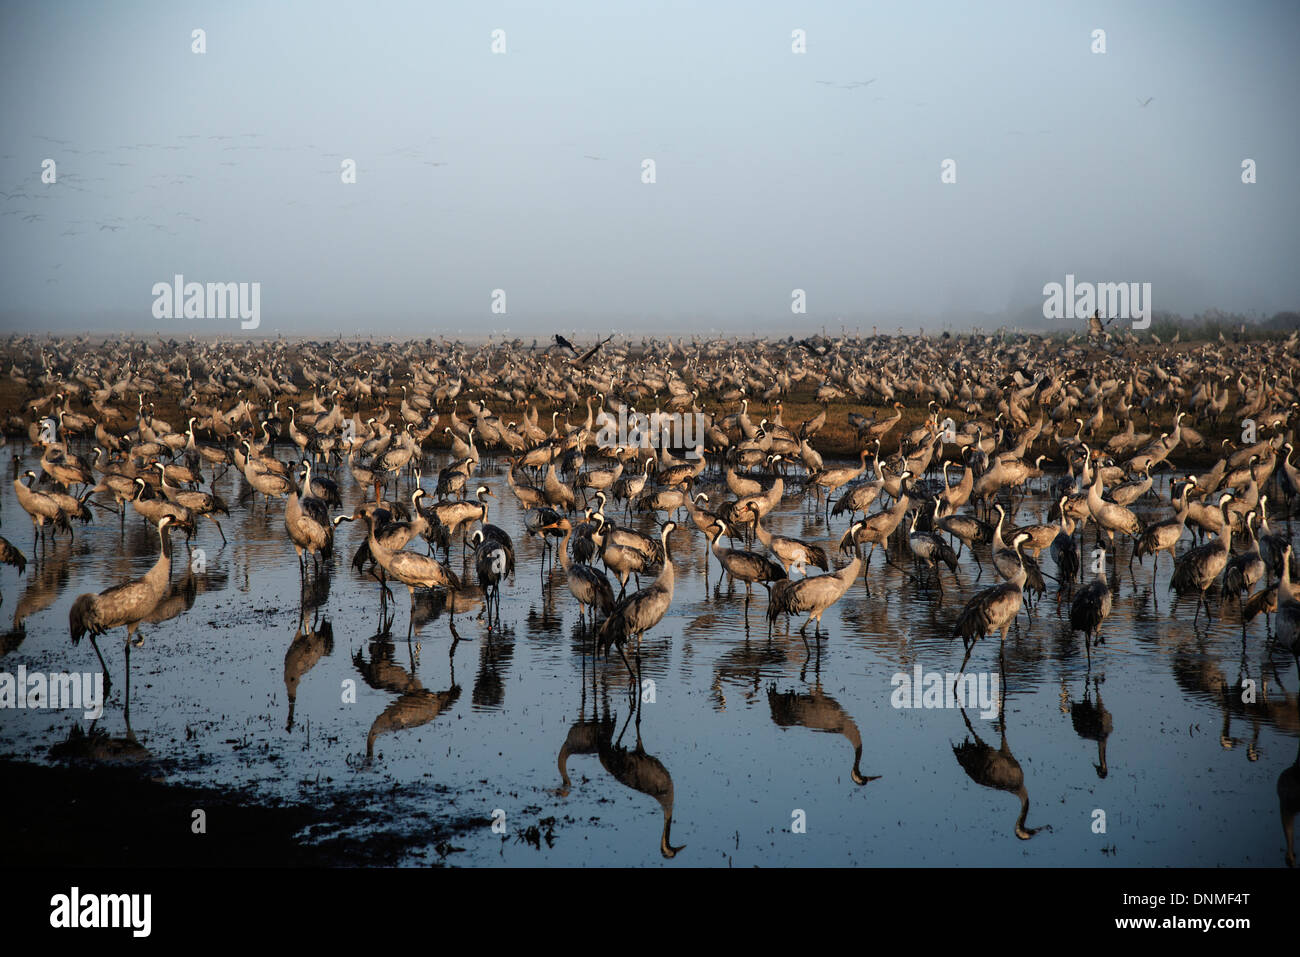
(102,664)
(969,648)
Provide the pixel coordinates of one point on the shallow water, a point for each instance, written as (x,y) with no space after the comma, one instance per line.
(235,691)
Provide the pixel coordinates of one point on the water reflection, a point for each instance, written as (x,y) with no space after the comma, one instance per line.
(494,657)
(635,769)
(1288,796)
(995,768)
(46,580)
(96,744)
(818,711)
(713,669)
(309,645)
(632,767)
(415,705)
(1091,720)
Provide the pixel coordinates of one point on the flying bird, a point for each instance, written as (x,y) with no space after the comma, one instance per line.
(1142,103)
(581,360)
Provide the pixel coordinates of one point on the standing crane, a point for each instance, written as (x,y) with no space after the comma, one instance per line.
(42,508)
(494,561)
(307,520)
(930,549)
(1064,552)
(202,504)
(813,595)
(1288,611)
(1091,607)
(410,568)
(588,584)
(123,605)
(642,610)
(831,480)
(747,566)
(1163,536)
(1245,569)
(992,610)
(1109,516)
(791,551)
(1198,568)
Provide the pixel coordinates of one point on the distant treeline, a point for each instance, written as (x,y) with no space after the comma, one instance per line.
(1202,326)
(1209,325)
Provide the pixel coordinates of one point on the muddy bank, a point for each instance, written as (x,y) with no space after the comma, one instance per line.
(108,816)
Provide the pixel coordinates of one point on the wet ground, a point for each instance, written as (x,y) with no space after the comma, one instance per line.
(255,688)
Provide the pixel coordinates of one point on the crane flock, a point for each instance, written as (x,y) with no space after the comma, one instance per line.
(1140,448)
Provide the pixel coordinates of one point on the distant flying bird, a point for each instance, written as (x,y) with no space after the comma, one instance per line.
(851,85)
(114,228)
(1142,103)
(590,157)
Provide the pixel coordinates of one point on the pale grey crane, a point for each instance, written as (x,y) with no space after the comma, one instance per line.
(992,610)
(791,551)
(205,504)
(126,604)
(410,568)
(747,566)
(307,521)
(1163,536)
(643,609)
(42,508)
(1198,568)
(588,584)
(1288,611)
(813,595)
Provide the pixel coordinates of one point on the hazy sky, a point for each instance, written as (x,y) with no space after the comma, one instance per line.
(225,166)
